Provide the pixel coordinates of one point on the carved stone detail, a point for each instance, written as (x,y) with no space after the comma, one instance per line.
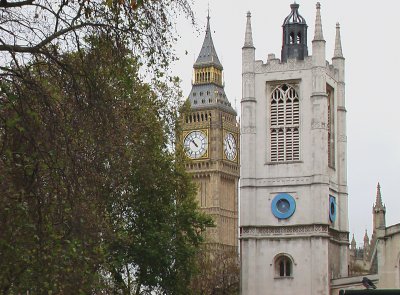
(339,236)
(275,65)
(248,129)
(248,78)
(273,231)
(294,83)
(342,138)
(258,66)
(247,61)
(319,125)
(331,71)
(284,181)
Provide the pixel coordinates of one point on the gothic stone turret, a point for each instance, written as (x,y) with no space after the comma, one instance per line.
(293,187)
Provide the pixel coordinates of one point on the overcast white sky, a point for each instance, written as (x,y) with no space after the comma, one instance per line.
(371,46)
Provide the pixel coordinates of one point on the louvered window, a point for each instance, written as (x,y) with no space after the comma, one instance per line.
(284,124)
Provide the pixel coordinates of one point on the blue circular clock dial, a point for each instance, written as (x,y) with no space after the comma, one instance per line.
(332,208)
(283,206)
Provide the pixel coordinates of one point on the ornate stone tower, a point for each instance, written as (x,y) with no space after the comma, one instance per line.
(293,204)
(379,211)
(211,141)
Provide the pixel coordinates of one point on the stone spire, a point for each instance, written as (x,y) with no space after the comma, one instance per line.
(366,238)
(379,210)
(208,55)
(318,36)
(353,243)
(378,201)
(248,38)
(338,43)
(366,246)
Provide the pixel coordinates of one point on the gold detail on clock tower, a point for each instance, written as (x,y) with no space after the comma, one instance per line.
(210,138)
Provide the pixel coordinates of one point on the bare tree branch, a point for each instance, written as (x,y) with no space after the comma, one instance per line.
(36,48)
(5,4)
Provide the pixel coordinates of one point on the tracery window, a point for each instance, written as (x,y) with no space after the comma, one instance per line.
(283,266)
(331,127)
(284,124)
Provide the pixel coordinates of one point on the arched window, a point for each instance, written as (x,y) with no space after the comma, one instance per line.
(298,41)
(283,266)
(291,38)
(284,124)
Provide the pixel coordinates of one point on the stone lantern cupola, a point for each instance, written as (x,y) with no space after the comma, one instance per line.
(294,43)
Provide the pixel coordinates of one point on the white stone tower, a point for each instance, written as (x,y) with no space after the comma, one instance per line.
(293,207)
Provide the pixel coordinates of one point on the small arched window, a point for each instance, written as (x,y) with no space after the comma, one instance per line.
(291,38)
(283,266)
(298,41)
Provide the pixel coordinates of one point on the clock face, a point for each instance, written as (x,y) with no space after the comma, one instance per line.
(230,147)
(195,144)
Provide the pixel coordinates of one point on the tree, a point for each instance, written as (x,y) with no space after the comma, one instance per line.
(49,27)
(93,198)
(218,272)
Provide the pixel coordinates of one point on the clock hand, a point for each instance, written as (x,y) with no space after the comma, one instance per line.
(194,143)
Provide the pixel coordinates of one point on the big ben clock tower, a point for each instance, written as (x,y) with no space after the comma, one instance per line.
(210,138)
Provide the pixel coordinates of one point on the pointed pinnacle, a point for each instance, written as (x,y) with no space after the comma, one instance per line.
(208,54)
(378,202)
(366,238)
(353,241)
(208,29)
(248,39)
(338,43)
(318,36)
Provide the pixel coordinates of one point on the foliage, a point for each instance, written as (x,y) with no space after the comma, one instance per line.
(92,197)
(49,27)
(218,272)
